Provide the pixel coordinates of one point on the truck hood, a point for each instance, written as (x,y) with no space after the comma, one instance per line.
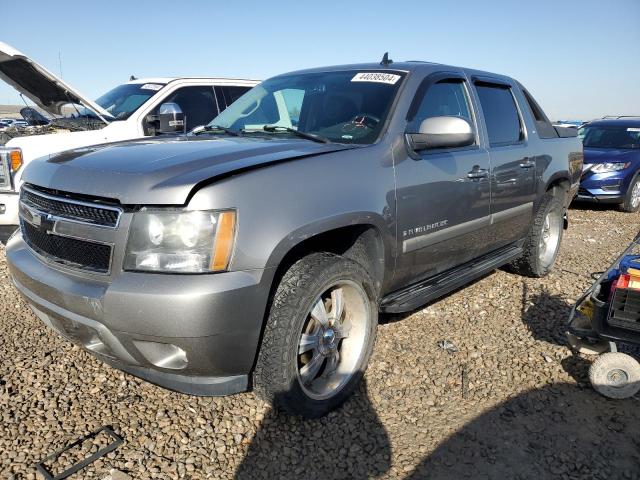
(603,155)
(36,82)
(161,171)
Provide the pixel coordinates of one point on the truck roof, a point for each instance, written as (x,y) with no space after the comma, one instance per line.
(417,66)
(616,122)
(166,80)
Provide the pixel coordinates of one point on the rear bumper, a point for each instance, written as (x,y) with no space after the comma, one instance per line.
(196,334)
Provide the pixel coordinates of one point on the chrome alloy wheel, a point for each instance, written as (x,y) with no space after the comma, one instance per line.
(333,339)
(550,238)
(635,195)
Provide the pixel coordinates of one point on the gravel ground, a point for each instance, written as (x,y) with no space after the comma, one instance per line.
(512,402)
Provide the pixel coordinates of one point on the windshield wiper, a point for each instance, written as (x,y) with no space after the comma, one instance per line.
(308,136)
(213,128)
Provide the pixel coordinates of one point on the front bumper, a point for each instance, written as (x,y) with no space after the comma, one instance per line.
(196,334)
(9,209)
(604,187)
(585,195)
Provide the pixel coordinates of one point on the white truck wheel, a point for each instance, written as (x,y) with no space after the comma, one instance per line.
(615,375)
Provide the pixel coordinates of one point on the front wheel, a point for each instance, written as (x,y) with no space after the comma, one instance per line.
(632,197)
(318,337)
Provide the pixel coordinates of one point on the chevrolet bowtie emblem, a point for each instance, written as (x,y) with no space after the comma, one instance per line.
(45,222)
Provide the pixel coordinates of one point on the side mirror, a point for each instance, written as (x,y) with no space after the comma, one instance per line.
(171,118)
(442,132)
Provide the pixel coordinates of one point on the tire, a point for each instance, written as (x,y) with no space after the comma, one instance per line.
(615,375)
(307,367)
(542,244)
(631,202)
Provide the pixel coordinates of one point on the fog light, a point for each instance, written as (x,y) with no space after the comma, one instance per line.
(163,355)
(611,187)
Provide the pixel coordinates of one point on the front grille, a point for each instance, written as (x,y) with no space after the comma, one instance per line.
(68,251)
(73,210)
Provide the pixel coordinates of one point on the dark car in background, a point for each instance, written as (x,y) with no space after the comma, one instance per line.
(611,162)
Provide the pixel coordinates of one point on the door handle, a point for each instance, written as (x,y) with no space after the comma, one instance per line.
(478,173)
(527,162)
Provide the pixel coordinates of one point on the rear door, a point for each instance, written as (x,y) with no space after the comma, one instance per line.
(513,161)
(442,195)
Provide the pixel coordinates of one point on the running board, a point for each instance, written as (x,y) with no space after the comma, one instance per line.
(418,294)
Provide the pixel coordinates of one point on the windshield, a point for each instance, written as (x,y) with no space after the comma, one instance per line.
(611,137)
(343,107)
(125,99)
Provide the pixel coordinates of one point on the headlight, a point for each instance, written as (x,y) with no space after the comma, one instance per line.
(180,241)
(608,167)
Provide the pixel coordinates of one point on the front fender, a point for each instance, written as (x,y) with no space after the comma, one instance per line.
(333,223)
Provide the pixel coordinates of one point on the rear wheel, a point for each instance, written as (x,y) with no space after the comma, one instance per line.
(318,337)
(543,242)
(632,198)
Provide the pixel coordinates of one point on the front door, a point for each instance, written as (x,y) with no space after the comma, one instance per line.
(443,195)
(197,102)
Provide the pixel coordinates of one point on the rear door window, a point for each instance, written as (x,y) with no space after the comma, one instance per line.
(500,114)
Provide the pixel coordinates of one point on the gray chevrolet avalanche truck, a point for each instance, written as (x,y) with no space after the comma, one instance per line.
(258,251)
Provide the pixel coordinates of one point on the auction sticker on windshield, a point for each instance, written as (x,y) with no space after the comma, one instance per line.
(388,78)
(151,86)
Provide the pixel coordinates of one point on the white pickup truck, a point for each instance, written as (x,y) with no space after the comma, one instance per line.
(128,111)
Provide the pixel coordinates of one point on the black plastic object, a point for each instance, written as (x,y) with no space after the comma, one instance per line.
(386,60)
(66,250)
(624,311)
(33,116)
(566,132)
(411,297)
(117,441)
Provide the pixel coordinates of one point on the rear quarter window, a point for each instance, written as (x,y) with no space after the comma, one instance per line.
(543,125)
